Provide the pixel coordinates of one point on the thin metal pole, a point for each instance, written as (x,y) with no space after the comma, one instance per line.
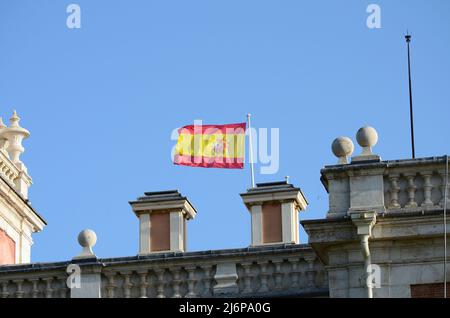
(251,149)
(408,39)
(445,225)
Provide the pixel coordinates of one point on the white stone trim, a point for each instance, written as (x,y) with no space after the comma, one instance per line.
(22,210)
(259,198)
(144,233)
(148,207)
(256,215)
(289,226)
(176,231)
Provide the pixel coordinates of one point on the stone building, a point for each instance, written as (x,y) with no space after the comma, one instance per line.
(382,236)
(18,219)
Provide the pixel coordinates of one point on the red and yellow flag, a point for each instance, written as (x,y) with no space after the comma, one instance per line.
(211,146)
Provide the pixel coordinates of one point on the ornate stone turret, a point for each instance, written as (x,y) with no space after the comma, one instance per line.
(15,135)
(18,220)
(10,151)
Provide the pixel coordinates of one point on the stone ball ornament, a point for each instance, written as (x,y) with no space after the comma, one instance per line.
(367,137)
(342,147)
(87,239)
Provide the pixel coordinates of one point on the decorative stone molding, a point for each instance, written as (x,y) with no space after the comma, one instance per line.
(226,278)
(294,271)
(442,174)
(248,277)
(15,135)
(127,284)
(410,177)
(364,222)
(207,280)
(110,283)
(191,280)
(160,282)
(143,284)
(17,178)
(4,142)
(427,189)
(394,190)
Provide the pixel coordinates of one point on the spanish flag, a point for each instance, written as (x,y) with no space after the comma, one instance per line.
(211,146)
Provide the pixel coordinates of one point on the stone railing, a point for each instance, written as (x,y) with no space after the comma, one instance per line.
(8,170)
(270,271)
(414,184)
(391,186)
(15,174)
(34,281)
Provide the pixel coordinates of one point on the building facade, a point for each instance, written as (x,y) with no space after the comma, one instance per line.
(382,236)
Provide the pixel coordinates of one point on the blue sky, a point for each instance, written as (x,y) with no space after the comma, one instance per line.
(101,101)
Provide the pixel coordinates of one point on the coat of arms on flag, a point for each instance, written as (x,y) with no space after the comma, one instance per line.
(211,146)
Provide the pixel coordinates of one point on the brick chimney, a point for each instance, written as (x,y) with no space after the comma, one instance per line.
(162,221)
(274,211)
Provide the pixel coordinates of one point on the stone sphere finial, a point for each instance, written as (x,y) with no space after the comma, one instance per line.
(87,239)
(342,147)
(367,137)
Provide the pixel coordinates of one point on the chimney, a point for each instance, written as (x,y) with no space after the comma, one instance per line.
(162,221)
(274,211)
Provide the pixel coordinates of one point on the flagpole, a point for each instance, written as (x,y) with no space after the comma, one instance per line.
(251,149)
(408,39)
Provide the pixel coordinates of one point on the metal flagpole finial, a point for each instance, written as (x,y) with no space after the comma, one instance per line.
(408,37)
